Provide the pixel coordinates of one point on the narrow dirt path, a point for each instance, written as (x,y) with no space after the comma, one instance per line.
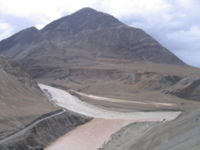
(100,98)
(30,126)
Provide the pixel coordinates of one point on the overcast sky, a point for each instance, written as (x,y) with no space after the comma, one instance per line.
(174,23)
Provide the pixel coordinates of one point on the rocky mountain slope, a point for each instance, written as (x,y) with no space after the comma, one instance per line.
(181,134)
(94,52)
(45,132)
(21,100)
(84,36)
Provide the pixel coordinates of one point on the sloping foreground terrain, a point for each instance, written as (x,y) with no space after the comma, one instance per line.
(181,134)
(27,119)
(45,130)
(21,100)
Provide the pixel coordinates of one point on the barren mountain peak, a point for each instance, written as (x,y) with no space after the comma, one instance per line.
(84,19)
(84,37)
(86,10)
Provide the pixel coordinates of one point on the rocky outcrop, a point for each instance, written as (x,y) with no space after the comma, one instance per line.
(153,80)
(14,69)
(187,89)
(45,132)
(181,134)
(22,40)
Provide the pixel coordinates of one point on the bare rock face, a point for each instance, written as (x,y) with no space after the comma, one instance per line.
(187,89)
(86,19)
(20,42)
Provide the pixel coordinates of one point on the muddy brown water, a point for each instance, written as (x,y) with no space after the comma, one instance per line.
(89,136)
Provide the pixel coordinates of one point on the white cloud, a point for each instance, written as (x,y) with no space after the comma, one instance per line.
(186,44)
(190,56)
(41,9)
(39,26)
(190,35)
(123,8)
(5,30)
(52,9)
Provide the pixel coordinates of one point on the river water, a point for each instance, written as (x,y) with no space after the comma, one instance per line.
(93,134)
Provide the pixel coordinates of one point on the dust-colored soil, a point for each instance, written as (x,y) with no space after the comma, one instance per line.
(21,100)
